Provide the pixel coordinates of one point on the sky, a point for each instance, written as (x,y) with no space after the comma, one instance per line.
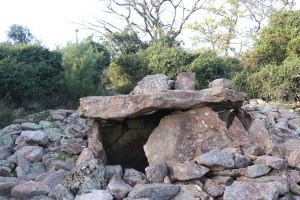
(50,21)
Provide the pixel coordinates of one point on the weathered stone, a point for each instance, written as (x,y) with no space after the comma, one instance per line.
(29,189)
(237,133)
(241,161)
(151,84)
(156,173)
(274,162)
(216,158)
(258,133)
(95,195)
(118,187)
(40,197)
(187,171)
(256,149)
(254,171)
(294,158)
(11,129)
(133,177)
(6,140)
(61,192)
(185,81)
(73,146)
(30,126)
(55,178)
(230,172)
(295,188)
(85,156)
(5,171)
(221,83)
(112,170)
(191,192)
(222,180)
(5,152)
(113,107)
(295,124)
(39,137)
(249,191)
(31,153)
(85,177)
(213,189)
(95,141)
(154,191)
(5,188)
(183,133)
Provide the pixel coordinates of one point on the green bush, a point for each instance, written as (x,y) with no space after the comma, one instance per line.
(28,72)
(272,82)
(83,65)
(208,66)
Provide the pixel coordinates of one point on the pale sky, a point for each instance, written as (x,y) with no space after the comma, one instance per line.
(50,21)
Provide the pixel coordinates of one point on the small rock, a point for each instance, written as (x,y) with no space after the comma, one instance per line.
(73,146)
(29,189)
(154,191)
(60,192)
(5,152)
(256,149)
(191,192)
(39,137)
(6,140)
(85,156)
(156,173)
(185,81)
(294,158)
(118,187)
(95,195)
(213,189)
(55,178)
(30,126)
(237,133)
(151,84)
(31,153)
(133,177)
(187,171)
(257,170)
(112,170)
(274,162)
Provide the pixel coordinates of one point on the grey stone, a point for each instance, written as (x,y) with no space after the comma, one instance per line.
(5,152)
(191,192)
(257,170)
(272,161)
(6,140)
(295,124)
(112,170)
(85,177)
(73,146)
(154,191)
(216,158)
(55,178)
(31,153)
(213,189)
(95,195)
(30,126)
(39,137)
(250,191)
(156,173)
(133,177)
(60,192)
(151,84)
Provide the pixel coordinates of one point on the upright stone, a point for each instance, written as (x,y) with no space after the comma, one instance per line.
(221,83)
(151,84)
(185,81)
(183,133)
(95,141)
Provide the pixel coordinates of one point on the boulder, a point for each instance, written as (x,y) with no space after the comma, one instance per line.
(29,189)
(183,133)
(151,84)
(185,81)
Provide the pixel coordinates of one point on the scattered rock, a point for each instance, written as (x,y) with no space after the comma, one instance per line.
(95,195)
(29,190)
(187,171)
(118,188)
(61,192)
(156,173)
(133,177)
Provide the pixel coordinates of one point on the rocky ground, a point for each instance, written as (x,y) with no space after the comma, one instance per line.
(253,154)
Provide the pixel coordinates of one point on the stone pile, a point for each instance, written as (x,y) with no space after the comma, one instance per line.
(163,141)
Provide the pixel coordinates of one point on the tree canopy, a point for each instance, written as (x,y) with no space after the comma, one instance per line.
(19,34)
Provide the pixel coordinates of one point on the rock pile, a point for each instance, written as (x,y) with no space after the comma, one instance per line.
(186,145)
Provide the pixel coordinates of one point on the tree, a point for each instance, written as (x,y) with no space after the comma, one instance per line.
(154,19)
(223,26)
(19,34)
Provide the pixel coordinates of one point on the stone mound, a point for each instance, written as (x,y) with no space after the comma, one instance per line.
(163,141)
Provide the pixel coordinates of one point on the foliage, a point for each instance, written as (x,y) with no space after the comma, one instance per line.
(279,39)
(83,64)
(272,82)
(28,72)
(125,42)
(19,34)
(208,66)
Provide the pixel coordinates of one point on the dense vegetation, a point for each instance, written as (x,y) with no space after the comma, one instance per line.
(34,78)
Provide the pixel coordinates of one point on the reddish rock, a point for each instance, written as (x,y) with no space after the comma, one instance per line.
(73,145)
(256,149)
(294,158)
(95,141)
(29,189)
(237,133)
(85,156)
(31,153)
(183,133)
(258,133)
(118,187)
(213,189)
(185,81)
(249,191)
(274,162)
(187,171)
(123,106)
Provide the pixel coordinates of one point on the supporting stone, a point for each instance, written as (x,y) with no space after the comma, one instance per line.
(95,141)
